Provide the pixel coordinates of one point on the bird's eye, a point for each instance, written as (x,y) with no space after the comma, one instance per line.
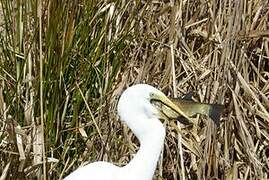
(151,94)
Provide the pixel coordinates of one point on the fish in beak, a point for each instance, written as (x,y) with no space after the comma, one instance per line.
(190,108)
(162,102)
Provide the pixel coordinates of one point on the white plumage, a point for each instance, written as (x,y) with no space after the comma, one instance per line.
(135,109)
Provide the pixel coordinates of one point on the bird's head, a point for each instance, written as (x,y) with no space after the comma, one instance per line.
(135,107)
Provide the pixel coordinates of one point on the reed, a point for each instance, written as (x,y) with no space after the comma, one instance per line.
(63,65)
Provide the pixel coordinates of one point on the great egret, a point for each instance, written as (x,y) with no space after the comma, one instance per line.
(142,117)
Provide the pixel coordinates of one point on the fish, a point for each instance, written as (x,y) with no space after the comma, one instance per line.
(191,109)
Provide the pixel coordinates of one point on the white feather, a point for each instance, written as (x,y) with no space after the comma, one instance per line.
(134,109)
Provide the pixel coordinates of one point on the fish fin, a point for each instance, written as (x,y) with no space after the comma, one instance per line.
(215,112)
(188,96)
(183,120)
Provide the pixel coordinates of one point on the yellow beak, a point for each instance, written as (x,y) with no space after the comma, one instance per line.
(167,102)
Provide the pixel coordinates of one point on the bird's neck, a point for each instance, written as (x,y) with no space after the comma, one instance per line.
(145,161)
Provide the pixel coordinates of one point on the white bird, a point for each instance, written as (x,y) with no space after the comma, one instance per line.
(142,117)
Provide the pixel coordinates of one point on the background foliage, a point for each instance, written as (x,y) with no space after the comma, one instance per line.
(63,65)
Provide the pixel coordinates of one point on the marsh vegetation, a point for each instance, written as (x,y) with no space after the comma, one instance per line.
(64,64)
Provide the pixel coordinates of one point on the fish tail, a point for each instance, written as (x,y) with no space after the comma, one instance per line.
(215,112)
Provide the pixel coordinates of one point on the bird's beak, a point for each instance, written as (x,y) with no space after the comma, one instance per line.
(167,102)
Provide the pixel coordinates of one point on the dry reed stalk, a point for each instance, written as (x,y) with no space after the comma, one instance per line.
(217,49)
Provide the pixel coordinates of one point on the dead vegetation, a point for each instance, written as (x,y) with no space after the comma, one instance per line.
(64,65)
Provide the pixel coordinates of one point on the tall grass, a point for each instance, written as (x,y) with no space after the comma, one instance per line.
(65,63)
